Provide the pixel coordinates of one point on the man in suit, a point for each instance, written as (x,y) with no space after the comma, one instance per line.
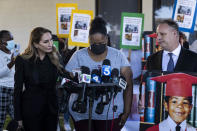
(173,57)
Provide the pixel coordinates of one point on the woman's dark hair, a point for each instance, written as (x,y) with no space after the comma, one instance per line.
(181,34)
(3,32)
(168,97)
(5,35)
(98,25)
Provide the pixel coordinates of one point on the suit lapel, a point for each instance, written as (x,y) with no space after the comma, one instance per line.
(180,60)
(159,60)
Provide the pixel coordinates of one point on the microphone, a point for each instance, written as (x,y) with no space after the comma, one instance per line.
(68,85)
(114,76)
(85,76)
(80,105)
(122,82)
(95,76)
(106,71)
(106,74)
(105,96)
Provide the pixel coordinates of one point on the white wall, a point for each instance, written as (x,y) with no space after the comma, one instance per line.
(147,9)
(21,16)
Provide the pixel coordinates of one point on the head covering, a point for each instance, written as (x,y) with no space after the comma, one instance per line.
(178,84)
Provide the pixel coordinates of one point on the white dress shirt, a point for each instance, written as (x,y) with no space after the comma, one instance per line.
(169,125)
(173,125)
(166,57)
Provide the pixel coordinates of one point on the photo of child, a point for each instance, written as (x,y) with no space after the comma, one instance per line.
(178,102)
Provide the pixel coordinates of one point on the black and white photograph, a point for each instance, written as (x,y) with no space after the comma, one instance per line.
(131,29)
(64,18)
(81,25)
(184,10)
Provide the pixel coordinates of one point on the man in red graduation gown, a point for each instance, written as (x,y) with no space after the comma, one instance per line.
(178,102)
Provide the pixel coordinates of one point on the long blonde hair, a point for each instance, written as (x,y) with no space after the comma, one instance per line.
(31,51)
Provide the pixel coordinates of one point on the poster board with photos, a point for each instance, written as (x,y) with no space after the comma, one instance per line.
(184,13)
(132,25)
(63,17)
(80,25)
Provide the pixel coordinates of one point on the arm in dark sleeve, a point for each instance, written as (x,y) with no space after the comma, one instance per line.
(18,88)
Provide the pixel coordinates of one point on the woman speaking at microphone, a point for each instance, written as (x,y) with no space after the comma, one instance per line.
(92,57)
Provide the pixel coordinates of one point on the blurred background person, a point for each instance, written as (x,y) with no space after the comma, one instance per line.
(7,71)
(36,106)
(183,40)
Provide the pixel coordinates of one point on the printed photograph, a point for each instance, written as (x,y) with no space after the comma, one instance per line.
(76,32)
(81,25)
(65,18)
(128,36)
(184,10)
(131,28)
(64,26)
(180,18)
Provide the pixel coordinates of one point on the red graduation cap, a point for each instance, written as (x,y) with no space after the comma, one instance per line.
(178,84)
(154,35)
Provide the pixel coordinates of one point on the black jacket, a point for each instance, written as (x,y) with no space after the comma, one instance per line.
(35,87)
(187,61)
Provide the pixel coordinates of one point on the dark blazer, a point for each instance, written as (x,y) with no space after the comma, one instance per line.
(35,97)
(187,61)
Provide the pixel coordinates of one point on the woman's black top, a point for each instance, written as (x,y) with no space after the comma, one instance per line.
(33,76)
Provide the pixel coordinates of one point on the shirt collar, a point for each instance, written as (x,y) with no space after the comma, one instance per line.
(175,52)
(173,124)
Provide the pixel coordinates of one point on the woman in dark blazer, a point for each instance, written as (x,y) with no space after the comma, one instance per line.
(36,74)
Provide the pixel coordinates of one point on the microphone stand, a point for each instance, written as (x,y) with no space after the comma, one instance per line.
(91,92)
(91,102)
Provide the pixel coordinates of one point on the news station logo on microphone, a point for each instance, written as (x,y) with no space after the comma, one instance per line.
(106,70)
(84,78)
(122,82)
(96,78)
